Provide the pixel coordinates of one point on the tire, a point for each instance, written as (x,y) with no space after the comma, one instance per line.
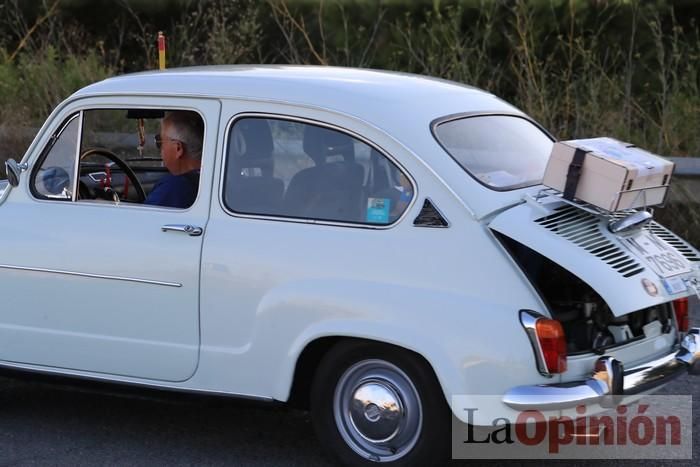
(353,381)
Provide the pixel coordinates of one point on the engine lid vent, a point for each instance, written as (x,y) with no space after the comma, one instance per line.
(674,240)
(586,230)
(580,243)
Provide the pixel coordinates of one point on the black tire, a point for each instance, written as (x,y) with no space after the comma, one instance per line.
(414,430)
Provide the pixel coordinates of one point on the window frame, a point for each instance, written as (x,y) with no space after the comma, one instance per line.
(465,115)
(79,112)
(309,121)
(45,153)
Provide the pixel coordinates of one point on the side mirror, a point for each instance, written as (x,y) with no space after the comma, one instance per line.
(14,170)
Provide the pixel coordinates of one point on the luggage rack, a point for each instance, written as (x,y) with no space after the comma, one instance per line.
(547,193)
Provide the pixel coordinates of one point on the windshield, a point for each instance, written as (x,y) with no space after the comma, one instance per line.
(503,152)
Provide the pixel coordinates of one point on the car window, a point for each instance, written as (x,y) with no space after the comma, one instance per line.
(501,151)
(54,178)
(119,157)
(112,138)
(278,167)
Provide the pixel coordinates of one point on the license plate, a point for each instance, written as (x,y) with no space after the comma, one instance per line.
(663,259)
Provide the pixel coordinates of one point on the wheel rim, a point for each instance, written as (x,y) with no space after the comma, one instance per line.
(377,410)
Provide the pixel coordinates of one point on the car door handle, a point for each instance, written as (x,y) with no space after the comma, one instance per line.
(191,230)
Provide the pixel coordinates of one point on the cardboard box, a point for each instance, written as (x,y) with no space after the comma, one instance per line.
(614,175)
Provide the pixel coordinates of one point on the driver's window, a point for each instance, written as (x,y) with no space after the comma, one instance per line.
(145,156)
(54,178)
(115,138)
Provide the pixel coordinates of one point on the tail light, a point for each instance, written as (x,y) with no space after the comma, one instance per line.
(550,336)
(680,308)
(548,342)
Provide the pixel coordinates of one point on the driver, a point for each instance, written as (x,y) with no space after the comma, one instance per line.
(180,144)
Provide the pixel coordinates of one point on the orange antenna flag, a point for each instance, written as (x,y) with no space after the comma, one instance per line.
(161,50)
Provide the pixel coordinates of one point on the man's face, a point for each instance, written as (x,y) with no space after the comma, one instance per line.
(170,149)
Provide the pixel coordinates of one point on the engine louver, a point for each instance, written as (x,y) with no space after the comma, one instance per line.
(586,230)
(674,240)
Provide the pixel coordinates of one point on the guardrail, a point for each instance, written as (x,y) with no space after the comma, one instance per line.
(686,166)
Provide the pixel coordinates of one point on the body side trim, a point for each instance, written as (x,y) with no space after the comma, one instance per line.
(94,276)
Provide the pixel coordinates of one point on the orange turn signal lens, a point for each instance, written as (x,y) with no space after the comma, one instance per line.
(552,341)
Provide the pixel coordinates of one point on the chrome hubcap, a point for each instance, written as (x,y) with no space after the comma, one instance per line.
(377,410)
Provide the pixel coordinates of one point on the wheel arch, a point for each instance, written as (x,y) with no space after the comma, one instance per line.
(314,351)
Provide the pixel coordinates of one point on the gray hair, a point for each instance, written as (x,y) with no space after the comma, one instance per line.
(188,128)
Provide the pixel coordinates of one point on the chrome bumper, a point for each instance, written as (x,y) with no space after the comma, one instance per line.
(610,379)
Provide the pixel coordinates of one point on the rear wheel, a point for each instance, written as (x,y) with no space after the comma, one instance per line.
(374,403)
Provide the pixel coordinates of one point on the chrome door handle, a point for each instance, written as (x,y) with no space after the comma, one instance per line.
(191,230)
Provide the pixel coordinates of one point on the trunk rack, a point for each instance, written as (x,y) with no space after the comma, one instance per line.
(556,195)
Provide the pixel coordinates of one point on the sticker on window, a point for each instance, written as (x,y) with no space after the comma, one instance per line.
(378,210)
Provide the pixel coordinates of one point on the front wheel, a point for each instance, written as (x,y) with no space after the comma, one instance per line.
(373,403)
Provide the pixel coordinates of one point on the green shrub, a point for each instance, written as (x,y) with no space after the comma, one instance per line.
(38,82)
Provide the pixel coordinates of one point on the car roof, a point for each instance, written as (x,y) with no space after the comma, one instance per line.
(368,94)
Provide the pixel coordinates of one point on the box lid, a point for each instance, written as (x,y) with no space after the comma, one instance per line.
(622,153)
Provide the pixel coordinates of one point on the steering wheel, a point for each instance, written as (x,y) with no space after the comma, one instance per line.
(128,171)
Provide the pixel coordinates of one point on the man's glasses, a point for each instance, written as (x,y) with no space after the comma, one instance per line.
(159,140)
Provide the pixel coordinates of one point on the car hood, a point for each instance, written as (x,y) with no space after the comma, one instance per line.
(580,241)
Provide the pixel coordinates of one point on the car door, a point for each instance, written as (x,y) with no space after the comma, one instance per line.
(305,208)
(101,287)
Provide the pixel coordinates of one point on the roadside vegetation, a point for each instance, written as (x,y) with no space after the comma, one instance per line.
(627,69)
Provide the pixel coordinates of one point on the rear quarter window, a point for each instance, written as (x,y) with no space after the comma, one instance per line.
(294,169)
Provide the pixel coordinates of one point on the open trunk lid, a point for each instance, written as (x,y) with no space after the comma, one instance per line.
(616,266)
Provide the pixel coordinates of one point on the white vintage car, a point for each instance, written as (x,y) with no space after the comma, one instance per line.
(363,243)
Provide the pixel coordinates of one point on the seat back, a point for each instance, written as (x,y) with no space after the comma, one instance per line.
(252,187)
(332,189)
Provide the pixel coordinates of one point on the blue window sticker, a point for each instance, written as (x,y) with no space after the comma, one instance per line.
(378,210)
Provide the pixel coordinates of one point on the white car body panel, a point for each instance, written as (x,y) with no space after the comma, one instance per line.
(112,300)
(341,281)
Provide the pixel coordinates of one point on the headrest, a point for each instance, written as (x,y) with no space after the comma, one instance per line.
(320,143)
(257,138)
(251,147)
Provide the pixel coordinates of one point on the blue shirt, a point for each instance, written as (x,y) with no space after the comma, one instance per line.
(175,191)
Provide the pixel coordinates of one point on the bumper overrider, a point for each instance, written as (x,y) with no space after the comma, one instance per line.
(609,378)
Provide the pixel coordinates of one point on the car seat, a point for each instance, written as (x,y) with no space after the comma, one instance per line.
(333,188)
(251,186)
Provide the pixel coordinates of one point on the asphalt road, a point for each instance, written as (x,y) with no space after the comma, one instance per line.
(49,424)
(42,424)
